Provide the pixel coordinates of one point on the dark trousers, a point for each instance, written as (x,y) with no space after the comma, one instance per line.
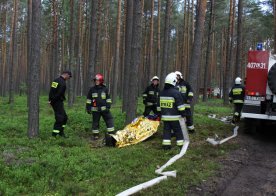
(148,109)
(168,127)
(189,119)
(108,119)
(237,112)
(60,116)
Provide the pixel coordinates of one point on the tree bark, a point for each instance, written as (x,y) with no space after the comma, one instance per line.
(165,57)
(196,52)
(209,47)
(158,55)
(117,54)
(239,40)
(135,60)
(34,64)
(128,39)
(13,52)
(92,41)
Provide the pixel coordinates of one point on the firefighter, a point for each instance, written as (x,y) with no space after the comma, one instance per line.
(150,97)
(171,106)
(187,94)
(98,104)
(236,96)
(56,98)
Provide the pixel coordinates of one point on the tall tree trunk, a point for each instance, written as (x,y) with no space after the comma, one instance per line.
(117,54)
(151,57)
(54,63)
(4,51)
(239,40)
(128,39)
(135,60)
(165,57)
(92,41)
(227,76)
(158,61)
(209,47)
(13,52)
(29,46)
(196,52)
(71,54)
(34,64)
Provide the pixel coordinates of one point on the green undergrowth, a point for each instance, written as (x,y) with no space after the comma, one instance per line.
(72,166)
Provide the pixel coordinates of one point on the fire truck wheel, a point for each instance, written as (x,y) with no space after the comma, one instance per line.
(272,79)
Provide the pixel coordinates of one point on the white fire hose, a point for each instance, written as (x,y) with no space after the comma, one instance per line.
(215,141)
(159,171)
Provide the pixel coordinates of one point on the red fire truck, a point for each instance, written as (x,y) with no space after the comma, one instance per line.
(260,89)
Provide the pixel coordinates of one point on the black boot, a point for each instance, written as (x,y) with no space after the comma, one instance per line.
(166,147)
(61,134)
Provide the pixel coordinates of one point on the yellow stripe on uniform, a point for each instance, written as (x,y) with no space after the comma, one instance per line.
(54,85)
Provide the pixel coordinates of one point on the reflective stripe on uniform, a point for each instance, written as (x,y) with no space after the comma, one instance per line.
(56,131)
(54,85)
(181,107)
(88,101)
(170,117)
(63,126)
(191,127)
(145,95)
(108,101)
(94,95)
(238,101)
(151,92)
(179,142)
(94,109)
(110,129)
(190,94)
(103,108)
(187,105)
(166,102)
(158,109)
(166,142)
(183,89)
(236,114)
(95,131)
(149,104)
(103,95)
(237,91)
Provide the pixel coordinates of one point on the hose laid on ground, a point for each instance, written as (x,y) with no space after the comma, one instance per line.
(215,141)
(159,171)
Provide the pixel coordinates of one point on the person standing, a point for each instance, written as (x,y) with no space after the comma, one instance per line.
(171,106)
(187,94)
(150,96)
(98,104)
(236,96)
(56,99)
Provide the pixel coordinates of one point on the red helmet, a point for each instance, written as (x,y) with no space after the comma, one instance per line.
(100,78)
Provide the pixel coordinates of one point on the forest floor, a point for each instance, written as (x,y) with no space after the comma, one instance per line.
(248,170)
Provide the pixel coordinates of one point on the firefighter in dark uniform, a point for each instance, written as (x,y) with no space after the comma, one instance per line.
(171,106)
(150,97)
(236,96)
(98,103)
(56,98)
(187,94)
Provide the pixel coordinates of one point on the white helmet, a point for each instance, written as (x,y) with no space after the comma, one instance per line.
(154,78)
(171,79)
(179,73)
(238,80)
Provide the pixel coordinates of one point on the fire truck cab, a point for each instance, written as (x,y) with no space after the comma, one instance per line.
(260,88)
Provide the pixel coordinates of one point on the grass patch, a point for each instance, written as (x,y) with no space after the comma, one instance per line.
(48,166)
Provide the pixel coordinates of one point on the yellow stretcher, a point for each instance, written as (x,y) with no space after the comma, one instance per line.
(135,132)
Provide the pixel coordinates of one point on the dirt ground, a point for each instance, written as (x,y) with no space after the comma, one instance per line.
(249,170)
